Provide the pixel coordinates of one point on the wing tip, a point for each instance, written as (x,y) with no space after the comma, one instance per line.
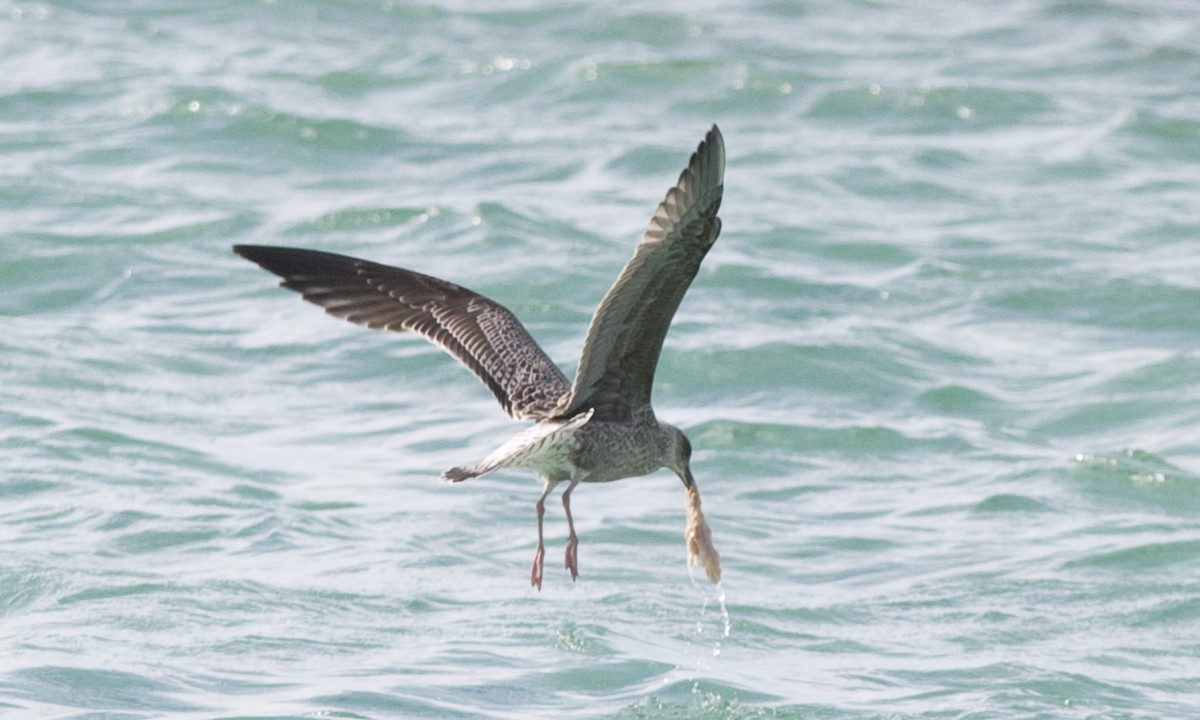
(713,146)
(247,251)
(292,263)
(714,138)
(267,255)
(705,171)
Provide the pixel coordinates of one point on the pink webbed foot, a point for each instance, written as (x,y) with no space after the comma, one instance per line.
(535,577)
(572,539)
(573,556)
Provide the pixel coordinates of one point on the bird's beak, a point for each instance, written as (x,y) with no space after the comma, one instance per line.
(686,477)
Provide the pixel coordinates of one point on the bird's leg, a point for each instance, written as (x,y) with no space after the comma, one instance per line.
(535,577)
(572,540)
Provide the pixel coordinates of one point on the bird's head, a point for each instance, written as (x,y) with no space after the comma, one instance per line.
(679,455)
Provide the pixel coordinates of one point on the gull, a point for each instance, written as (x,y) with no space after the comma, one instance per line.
(600,427)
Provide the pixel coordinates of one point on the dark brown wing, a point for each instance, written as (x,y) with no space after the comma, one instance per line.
(616,369)
(482,334)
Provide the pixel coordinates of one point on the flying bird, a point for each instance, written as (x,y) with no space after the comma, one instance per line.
(600,427)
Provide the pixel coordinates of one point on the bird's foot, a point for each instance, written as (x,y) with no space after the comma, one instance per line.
(535,577)
(573,556)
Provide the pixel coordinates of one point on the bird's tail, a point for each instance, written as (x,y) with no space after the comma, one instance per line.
(458,474)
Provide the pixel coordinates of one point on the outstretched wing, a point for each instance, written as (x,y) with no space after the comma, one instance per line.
(482,334)
(616,369)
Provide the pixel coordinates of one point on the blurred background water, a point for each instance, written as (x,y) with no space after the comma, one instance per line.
(942,369)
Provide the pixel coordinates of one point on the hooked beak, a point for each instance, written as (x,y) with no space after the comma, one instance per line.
(686,477)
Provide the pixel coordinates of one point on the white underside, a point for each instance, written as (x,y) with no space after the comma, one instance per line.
(546,447)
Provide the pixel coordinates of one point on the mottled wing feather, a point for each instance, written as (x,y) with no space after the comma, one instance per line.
(616,369)
(483,335)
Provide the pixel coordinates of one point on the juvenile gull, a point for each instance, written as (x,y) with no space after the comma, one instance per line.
(599,428)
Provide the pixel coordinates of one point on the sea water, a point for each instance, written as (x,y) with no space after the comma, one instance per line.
(941,370)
